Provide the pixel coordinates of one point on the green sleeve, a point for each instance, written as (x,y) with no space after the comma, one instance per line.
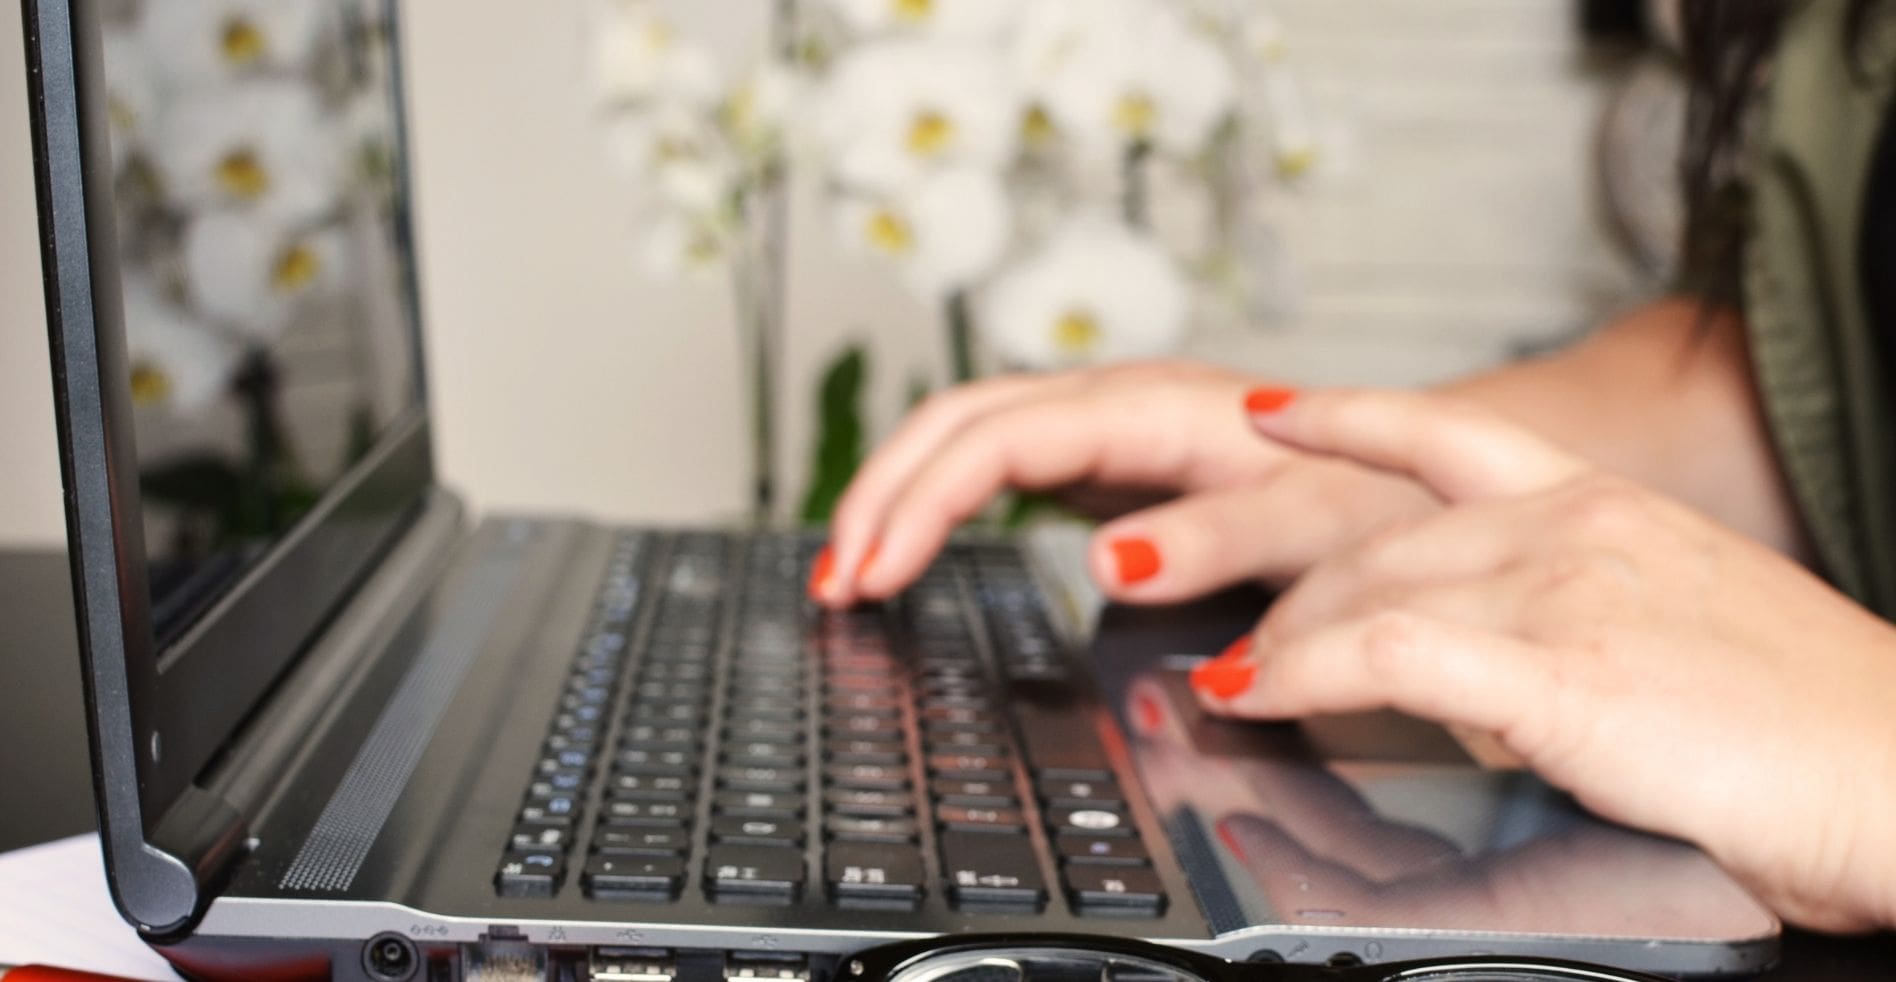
(1817,361)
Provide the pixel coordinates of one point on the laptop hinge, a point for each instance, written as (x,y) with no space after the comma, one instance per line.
(201,835)
(199,841)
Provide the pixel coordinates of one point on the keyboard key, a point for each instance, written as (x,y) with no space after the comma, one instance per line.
(757,831)
(880,777)
(1056,736)
(990,794)
(869,802)
(769,731)
(847,751)
(870,828)
(1093,819)
(658,877)
(641,841)
(963,742)
(758,804)
(1100,849)
(861,726)
(1079,794)
(530,874)
(539,815)
(663,814)
(760,872)
(680,763)
(662,787)
(761,778)
(541,836)
(762,755)
(862,871)
(1115,889)
(986,869)
(966,819)
(968,767)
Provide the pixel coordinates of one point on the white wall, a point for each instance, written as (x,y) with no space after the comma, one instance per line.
(563,380)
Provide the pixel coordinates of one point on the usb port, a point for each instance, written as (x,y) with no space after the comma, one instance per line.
(771,968)
(631,966)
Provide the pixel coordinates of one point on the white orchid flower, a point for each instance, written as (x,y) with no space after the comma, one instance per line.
(1135,72)
(757,111)
(893,111)
(195,42)
(253,276)
(678,152)
(1262,37)
(960,19)
(264,146)
(177,362)
(680,245)
(1095,292)
(945,234)
(638,58)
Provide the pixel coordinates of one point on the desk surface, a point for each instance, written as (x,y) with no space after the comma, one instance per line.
(43,760)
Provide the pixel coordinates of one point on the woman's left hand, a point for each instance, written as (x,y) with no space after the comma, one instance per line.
(1670,673)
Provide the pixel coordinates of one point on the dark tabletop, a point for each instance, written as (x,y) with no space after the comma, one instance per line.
(43,761)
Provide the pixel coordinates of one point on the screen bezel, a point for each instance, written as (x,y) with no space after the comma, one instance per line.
(160,715)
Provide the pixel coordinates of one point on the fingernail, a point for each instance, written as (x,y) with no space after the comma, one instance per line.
(1147,714)
(868,560)
(1228,674)
(823,574)
(1264,401)
(1135,560)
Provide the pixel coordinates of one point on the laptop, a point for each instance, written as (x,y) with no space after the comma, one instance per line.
(341,728)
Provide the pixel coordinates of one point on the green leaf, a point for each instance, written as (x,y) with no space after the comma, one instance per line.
(840,433)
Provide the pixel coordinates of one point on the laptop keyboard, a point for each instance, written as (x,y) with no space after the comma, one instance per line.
(718,729)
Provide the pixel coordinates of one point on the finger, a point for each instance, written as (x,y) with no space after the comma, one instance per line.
(1416,663)
(1272,531)
(1407,560)
(1108,435)
(860,511)
(1460,452)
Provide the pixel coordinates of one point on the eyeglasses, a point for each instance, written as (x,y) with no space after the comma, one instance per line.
(1070,958)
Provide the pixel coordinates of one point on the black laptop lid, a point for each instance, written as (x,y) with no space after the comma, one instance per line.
(231,299)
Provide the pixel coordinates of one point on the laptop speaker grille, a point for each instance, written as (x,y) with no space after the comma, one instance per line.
(334,852)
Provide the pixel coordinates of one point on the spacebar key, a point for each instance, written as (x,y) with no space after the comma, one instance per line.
(983,868)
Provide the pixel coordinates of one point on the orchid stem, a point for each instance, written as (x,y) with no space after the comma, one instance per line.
(961,336)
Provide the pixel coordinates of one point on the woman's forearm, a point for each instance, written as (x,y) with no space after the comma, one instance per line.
(1663,395)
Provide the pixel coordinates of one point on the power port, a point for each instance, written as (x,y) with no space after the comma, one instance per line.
(390,958)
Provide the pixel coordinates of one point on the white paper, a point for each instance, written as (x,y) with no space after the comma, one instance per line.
(54,910)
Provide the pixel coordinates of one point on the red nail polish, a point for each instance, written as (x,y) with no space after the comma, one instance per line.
(1135,560)
(822,573)
(1147,714)
(868,559)
(1227,675)
(1264,401)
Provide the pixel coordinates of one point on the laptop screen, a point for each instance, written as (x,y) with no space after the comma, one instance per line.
(270,325)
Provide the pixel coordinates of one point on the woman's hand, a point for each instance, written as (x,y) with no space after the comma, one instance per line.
(1127,433)
(1670,673)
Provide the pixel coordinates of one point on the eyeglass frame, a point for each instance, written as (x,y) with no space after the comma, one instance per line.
(886,963)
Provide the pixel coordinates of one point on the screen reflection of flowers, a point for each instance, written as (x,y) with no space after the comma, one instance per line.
(254,173)
(249,139)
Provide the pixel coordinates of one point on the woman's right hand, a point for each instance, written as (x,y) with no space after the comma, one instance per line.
(1233,507)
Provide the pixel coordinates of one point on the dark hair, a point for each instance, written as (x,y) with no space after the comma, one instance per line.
(1728,47)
